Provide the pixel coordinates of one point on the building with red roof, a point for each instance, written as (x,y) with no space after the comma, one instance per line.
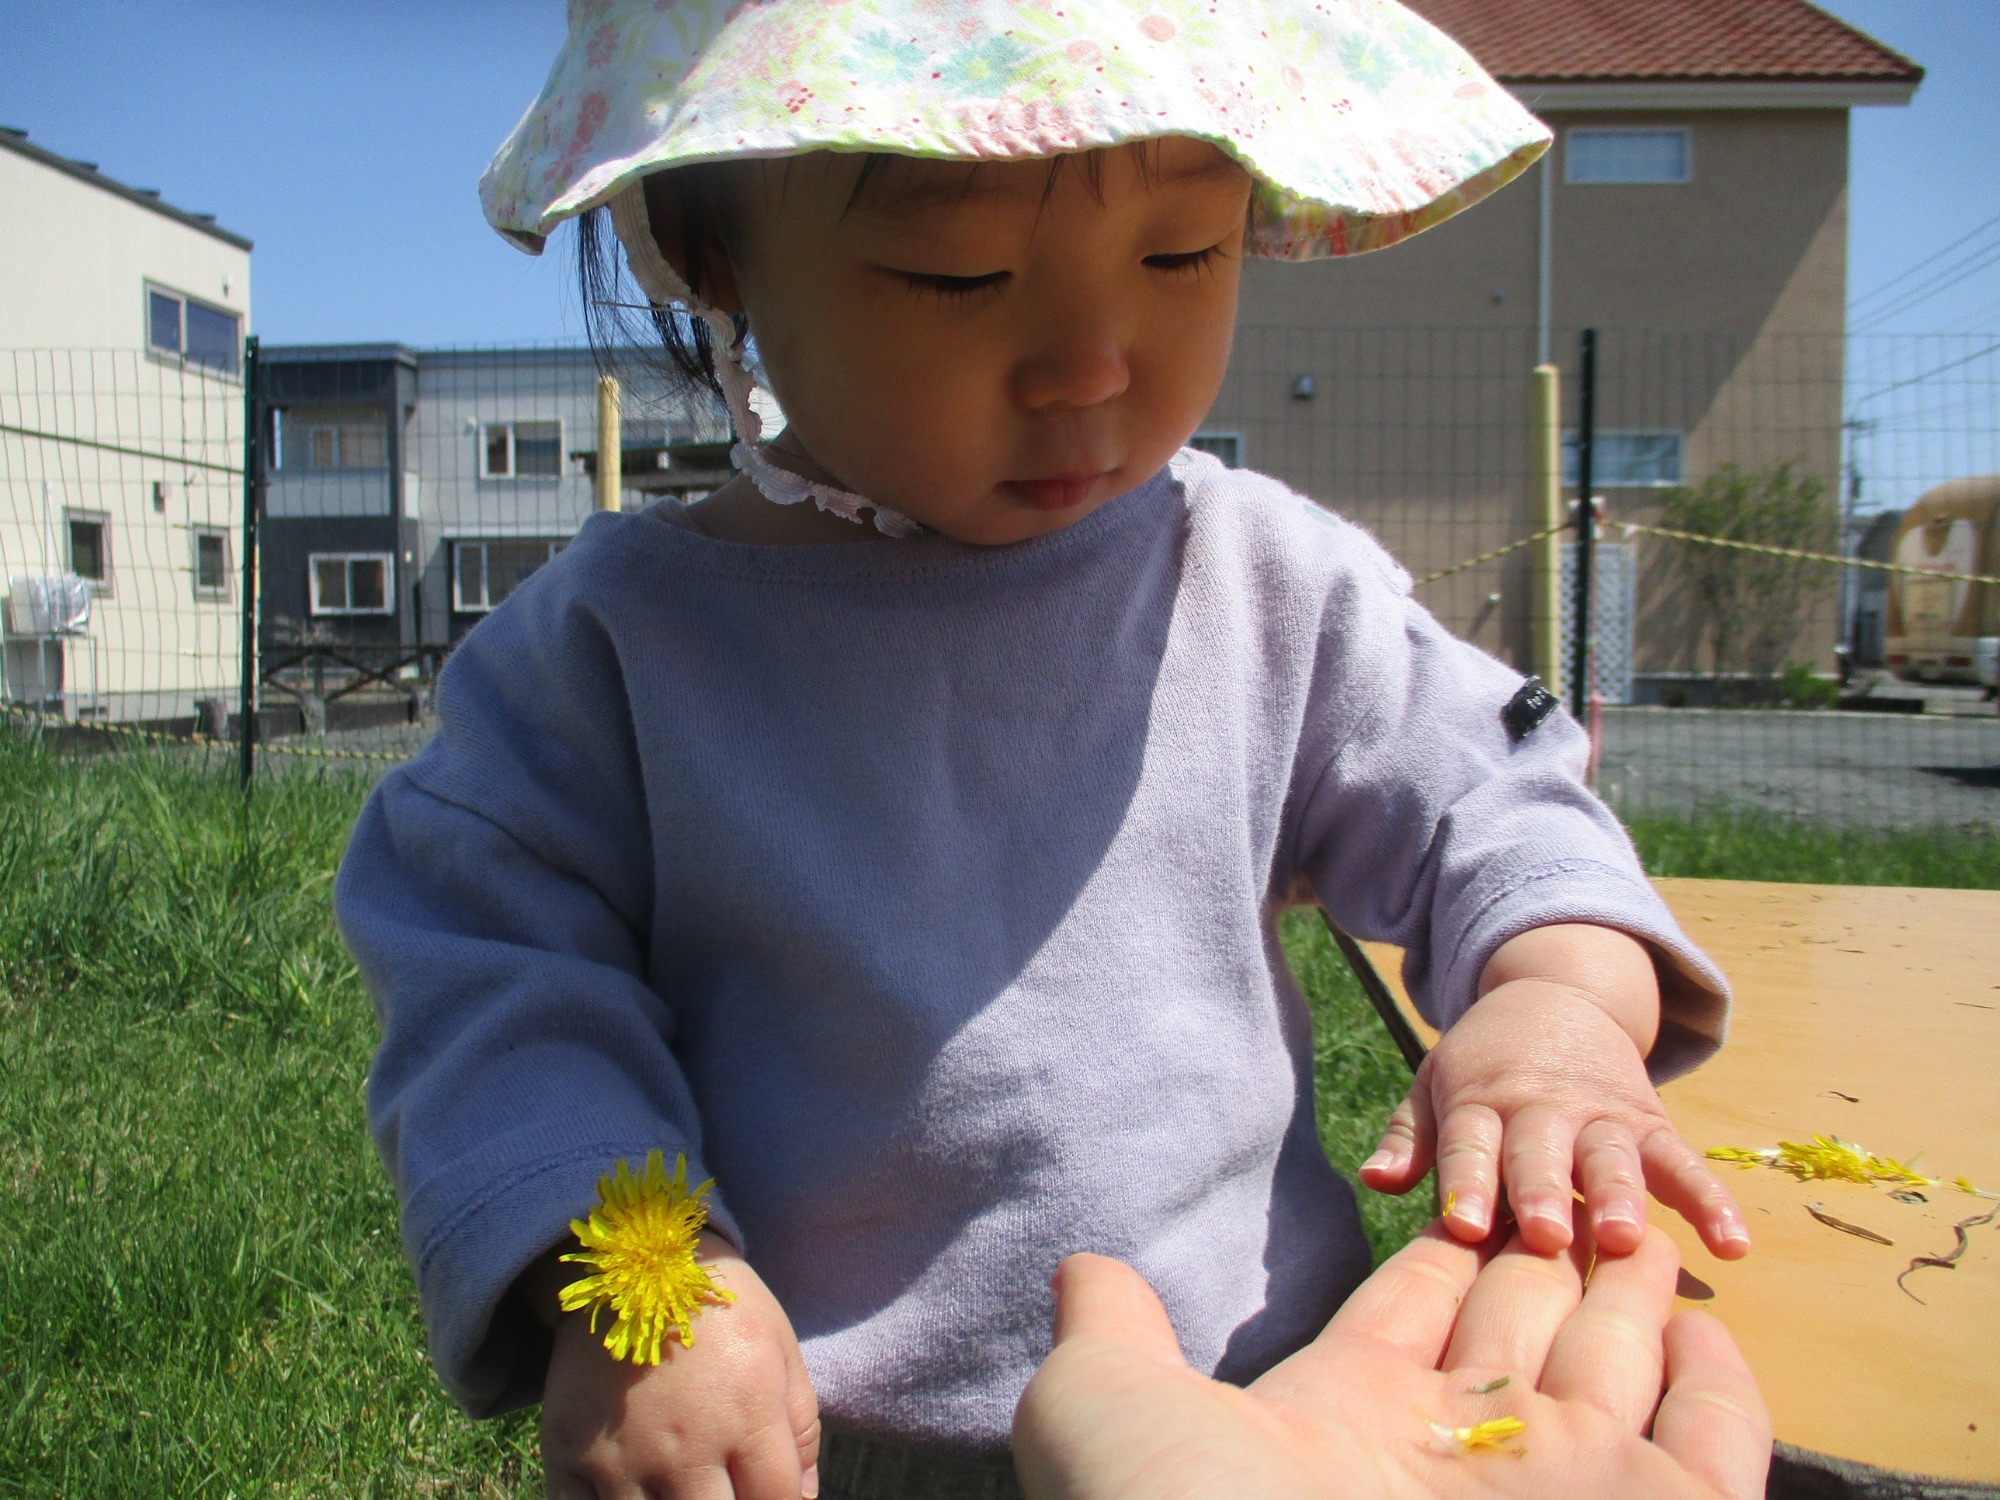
(1693,209)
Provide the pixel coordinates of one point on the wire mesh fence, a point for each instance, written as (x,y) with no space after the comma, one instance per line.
(403,494)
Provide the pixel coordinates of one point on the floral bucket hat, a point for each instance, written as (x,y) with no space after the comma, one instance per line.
(1361,122)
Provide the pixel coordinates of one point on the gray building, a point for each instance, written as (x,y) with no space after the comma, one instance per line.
(410,491)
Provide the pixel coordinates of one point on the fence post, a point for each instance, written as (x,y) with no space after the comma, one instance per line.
(1586,437)
(246,697)
(1547,511)
(610,454)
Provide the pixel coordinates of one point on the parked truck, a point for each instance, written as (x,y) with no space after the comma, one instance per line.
(1941,629)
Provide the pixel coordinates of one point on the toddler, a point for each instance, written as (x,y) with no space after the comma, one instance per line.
(900,832)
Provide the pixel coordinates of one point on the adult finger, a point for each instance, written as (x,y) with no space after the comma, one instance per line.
(1681,1180)
(1613,1184)
(1468,1170)
(1409,1141)
(1536,1159)
(1712,1420)
(1104,1299)
(1608,1352)
(1513,1312)
(1412,1300)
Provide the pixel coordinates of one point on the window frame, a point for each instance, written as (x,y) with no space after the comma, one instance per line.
(1571,466)
(222,592)
(318,610)
(1232,436)
(513,449)
(101,586)
(460,544)
(178,356)
(337,421)
(1570,133)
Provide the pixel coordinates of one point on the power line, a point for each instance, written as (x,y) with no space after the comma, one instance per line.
(1942,282)
(1856,304)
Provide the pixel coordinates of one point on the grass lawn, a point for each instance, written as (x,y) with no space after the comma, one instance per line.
(200,1287)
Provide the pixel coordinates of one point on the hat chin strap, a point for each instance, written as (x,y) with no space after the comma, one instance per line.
(663,286)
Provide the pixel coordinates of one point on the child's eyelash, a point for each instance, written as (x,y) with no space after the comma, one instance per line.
(954,288)
(1189,260)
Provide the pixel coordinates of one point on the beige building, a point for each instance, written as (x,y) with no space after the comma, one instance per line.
(1693,209)
(122,321)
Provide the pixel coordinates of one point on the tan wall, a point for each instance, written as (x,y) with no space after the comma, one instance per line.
(1719,304)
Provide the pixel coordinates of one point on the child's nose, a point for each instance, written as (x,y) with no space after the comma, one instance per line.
(1082,363)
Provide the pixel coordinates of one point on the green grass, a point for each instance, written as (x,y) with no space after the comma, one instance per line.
(1722,846)
(200,1288)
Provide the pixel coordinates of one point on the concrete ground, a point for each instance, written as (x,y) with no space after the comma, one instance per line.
(1877,770)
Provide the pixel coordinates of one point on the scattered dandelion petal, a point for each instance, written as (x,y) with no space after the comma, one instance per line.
(1480,1437)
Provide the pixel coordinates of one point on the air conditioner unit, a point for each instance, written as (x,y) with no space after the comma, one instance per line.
(53,604)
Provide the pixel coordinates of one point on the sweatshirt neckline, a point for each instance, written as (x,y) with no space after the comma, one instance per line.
(899,558)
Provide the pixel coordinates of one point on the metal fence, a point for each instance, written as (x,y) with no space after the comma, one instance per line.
(396,496)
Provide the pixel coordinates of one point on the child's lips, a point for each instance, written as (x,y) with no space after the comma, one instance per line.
(1056,492)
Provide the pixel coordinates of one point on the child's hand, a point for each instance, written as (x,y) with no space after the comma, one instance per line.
(1541,1085)
(733,1416)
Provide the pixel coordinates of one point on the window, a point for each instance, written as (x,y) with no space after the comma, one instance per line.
(485,573)
(1607,156)
(89,536)
(335,437)
(521,450)
(193,332)
(1227,446)
(1631,460)
(211,565)
(349,583)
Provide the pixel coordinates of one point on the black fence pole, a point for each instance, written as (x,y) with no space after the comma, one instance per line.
(246,699)
(1586,440)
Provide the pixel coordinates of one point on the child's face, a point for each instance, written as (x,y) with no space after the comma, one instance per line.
(995,350)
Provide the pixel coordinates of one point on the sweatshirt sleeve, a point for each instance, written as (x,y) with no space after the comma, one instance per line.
(1423,823)
(497,896)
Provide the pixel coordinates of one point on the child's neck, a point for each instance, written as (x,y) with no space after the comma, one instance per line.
(740,512)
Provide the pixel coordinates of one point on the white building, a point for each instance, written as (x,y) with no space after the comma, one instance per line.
(122,321)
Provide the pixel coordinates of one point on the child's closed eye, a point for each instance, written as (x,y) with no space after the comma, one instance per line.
(955,288)
(1192,262)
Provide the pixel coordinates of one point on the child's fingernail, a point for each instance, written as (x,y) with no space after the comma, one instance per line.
(1616,1218)
(1381,1161)
(810,1489)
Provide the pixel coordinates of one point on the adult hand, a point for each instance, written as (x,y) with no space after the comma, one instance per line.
(1370,1409)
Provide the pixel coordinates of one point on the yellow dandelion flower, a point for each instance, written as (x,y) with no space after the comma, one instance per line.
(639,1241)
(1480,1437)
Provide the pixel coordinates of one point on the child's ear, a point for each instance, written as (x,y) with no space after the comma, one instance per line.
(689,242)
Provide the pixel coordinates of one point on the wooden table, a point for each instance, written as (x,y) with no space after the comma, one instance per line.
(1872,1014)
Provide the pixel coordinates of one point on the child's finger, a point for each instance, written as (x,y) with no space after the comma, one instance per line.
(1614,1185)
(1681,1180)
(1538,1166)
(1712,1420)
(765,1469)
(1609,1353)
(1468,1152)
(1408,1141)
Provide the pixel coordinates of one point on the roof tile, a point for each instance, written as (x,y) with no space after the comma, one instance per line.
(1607,40)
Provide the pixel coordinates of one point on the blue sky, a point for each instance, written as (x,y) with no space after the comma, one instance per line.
(345,138)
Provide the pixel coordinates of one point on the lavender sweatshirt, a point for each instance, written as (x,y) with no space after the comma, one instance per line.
(924,895)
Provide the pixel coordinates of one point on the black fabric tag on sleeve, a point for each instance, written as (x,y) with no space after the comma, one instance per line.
(1526,710)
